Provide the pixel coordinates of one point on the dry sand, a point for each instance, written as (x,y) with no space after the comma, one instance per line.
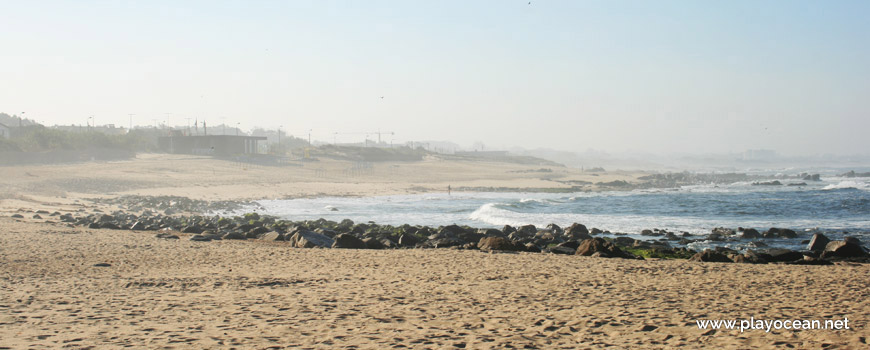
(245,295)
(228,294)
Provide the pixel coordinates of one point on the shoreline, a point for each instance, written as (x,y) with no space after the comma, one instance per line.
(172,217)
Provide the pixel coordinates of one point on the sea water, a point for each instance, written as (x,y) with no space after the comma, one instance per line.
(834,206)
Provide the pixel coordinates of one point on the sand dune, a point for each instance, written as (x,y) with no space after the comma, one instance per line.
(226,294)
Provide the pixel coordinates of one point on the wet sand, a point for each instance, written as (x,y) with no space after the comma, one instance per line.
(242,294)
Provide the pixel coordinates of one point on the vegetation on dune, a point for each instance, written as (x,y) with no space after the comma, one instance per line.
(37,138)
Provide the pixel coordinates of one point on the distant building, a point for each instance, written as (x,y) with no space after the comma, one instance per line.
(217,145)
(5,131)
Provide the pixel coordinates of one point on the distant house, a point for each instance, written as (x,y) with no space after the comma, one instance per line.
(217,145)
(5,132)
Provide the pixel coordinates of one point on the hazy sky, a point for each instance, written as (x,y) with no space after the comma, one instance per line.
(654,76)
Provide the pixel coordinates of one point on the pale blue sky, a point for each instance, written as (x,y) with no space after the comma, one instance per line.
(656,76)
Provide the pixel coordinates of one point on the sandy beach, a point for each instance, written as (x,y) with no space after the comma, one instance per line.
(228,294)
(199,177)
(73,287)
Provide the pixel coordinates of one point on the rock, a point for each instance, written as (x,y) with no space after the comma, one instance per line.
(561,250)
(852,240)
(36,216)
(234,235)
(577,231)
(308,239)
(715,237)
(192,229)
(625,241)
(767,183)
(710,256)
(750,257)
(491,232)
(570,244)
(18,216)
(723,231)
(649,233)
(408,240)
(348,241)
(808,260)
(257,231)
(818,242)
(109,226)
(508,229)
(527,231)
(774,232)
(498,243)
(532,248)
(813,177)
(595,231)
(272,236)
(387,243)
(555,229)
(445,243)
(797,184)
(200,238)
(842,249)
(784,255)
(373,243)
(595,245)
(137,226)
(102,265)
(750,233)
(166,236)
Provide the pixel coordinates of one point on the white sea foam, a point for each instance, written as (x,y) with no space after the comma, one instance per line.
(848,184)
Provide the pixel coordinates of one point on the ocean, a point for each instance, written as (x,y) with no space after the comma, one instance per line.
(835,206)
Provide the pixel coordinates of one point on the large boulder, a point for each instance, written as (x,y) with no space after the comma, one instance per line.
(234,235)
(190,229)
(710,256)
(561,250)
(774,232)
(555,229)
(498,243)
(578,232)
(527,230)
(373,243)
(723,231)
(750,233)
(272,236)
(784,255)
(491,232)
(445,242)
(308,239)
(818,242)
(750,257)
(408,240)
(601,247)
(348,241)
(843,249)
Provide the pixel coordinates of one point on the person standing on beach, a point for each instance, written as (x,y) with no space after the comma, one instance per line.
(448,190)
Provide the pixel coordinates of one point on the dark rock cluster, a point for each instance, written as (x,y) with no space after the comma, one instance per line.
(575,239)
